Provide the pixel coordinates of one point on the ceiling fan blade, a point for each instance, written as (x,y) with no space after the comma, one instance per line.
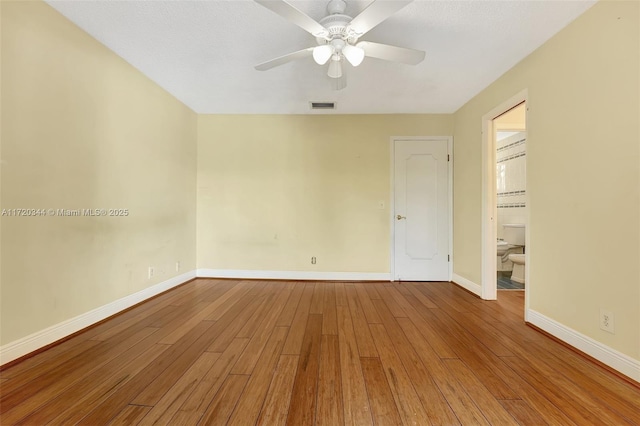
(284,59)
(376,12)
(392,53)
(294,15)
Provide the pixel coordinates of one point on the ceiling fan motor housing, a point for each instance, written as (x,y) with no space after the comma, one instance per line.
(337,24)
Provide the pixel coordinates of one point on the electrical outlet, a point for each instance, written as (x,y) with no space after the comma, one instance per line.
(313,260)
(178,266)
(151,272)
(607,321)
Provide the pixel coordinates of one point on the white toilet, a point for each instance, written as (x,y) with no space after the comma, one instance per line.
(517,274)
(514,235)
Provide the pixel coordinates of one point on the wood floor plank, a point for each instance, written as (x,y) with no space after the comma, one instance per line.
(252,352)
(522,412)
(330,410)
(254,320)
(278,399)
(196,293)
(116,402)
(409,405)
(243,288)
(172,400)
(580,407)
(194,407)
(219,289)
(296,333)
(317,301)
(131,415)
(492,410)
(45,360)
(22,402)
(222,406)
(576,369)
(329,318)
(203,314)
(434,403)
(178,366)
(438,355)
(289,311)
(483,332)
(357,411)
(389,300)
(70,409)
(468,348)
(464,407)
(364,340)
(142,315)
(248,408)
(40,369)
(428,303)
(373,293)
(401,286)
(302,410)
(545,407)
(442,292)
(341,296)
(71,390)
(383,407)
(616,410)
(137,314)
(369,311)
(401,300)
(245,310)
(430,332)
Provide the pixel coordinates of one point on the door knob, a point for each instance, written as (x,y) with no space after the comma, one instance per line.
(401,217)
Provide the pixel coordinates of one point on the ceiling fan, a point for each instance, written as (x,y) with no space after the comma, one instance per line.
(337,36)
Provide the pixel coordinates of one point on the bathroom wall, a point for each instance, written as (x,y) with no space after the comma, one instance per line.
(511,168)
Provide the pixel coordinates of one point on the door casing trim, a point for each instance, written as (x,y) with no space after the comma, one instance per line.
(489,288)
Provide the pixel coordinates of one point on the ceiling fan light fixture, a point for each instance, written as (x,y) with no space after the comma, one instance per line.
(354,54)
(335,69)
(322,53)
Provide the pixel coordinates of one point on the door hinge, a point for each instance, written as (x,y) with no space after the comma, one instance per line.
(448,157)
(448,258)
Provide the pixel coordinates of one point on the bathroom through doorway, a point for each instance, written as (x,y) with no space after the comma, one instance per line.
(510,142)
(509,116)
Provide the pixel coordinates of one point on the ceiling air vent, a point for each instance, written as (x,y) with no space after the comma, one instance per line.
(323,105)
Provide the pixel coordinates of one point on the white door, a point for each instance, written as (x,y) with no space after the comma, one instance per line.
(421,210)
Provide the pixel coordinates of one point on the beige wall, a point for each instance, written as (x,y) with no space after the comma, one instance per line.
(83,129)
(582,174)
(275,190)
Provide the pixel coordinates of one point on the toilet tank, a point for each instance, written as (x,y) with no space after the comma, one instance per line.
(514,233)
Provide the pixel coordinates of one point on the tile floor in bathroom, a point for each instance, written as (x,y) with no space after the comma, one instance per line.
(504,283)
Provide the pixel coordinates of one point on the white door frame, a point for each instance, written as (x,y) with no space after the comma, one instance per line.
(489,287)
(392,207)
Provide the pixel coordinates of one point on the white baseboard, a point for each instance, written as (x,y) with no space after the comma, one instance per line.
(467,284)
(618,361)
(35,341)
(293,275)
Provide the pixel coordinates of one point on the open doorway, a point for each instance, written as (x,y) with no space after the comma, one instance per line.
(510,135)
(489,287)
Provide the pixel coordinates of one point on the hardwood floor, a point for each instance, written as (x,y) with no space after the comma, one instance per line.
(269,353)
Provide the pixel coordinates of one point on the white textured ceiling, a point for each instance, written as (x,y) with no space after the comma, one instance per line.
(204,52)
